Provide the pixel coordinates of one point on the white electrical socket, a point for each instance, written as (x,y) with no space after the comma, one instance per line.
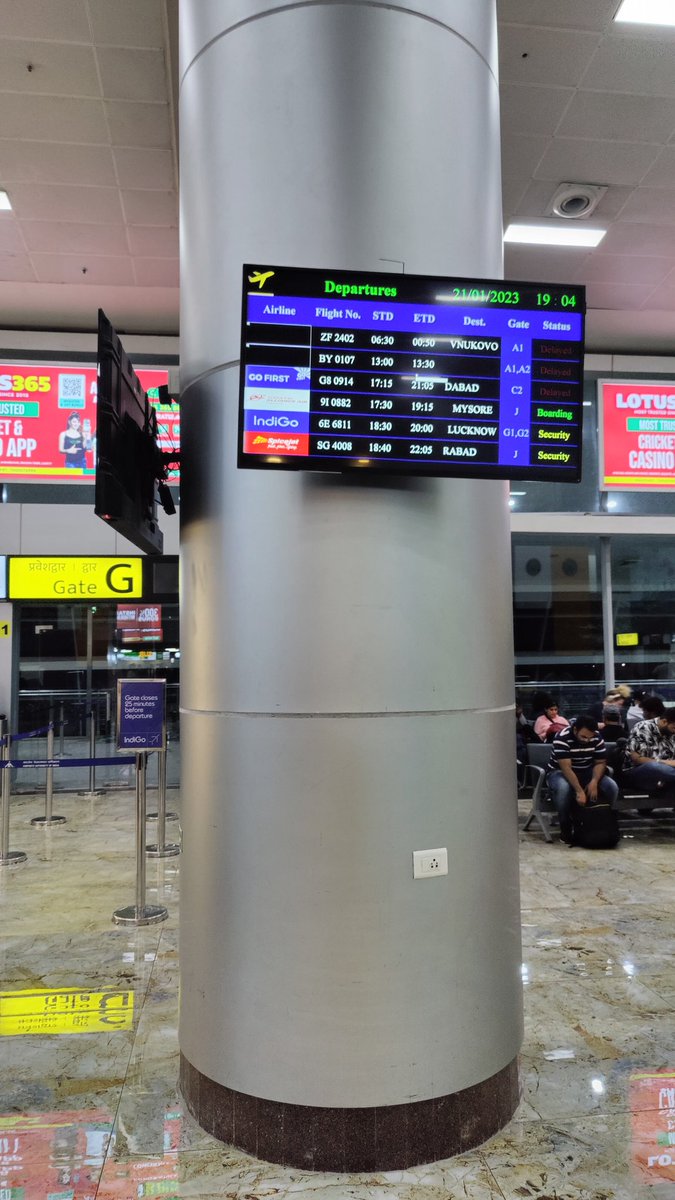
(428,863)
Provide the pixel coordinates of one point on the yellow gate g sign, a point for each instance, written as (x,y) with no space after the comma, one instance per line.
(73,578)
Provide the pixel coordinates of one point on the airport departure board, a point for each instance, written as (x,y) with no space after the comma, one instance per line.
(410,374)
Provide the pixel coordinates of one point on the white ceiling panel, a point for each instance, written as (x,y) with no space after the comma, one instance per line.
(150,208)
(54,20)
(581,160)
(624,117)
(521,154)
(64,268)
(561,14)
(153,242)
(138,124)
(650,206)
(73,238)
(528,54)
(51,118)
(662,174)
(133,74)
(48,68)
(633,238)
(157,272)
(143,168)
(60,202)
(16,267)
(643,66)
(620,296)
(549,264)
(49,162)
(127,22)
(627,269)
(533,109)
(10,234)
(663,299)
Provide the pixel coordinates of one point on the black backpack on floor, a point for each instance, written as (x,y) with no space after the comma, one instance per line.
(596,827)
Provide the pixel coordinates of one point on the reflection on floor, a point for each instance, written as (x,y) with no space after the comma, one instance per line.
(88,1099)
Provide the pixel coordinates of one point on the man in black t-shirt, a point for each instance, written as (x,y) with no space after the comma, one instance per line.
(576,772)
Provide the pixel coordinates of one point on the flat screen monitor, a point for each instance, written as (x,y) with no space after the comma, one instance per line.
(127,466)
(410,374)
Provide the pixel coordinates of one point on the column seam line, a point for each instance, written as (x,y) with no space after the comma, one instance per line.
(410,12)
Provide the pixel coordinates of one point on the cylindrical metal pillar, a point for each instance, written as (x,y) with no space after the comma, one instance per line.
(347,653)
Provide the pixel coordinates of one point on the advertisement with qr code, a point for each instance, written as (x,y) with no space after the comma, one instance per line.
(48,421)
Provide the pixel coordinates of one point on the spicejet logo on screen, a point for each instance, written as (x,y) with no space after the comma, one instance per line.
(66,578)
(276,443)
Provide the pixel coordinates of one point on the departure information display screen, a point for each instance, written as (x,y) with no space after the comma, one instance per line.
(410,374)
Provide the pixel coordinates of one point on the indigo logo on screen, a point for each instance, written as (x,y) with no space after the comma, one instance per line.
(266,421)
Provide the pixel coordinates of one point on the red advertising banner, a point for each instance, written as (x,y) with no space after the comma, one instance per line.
(652,1102)
(48,421)
(637,435)
(139,623)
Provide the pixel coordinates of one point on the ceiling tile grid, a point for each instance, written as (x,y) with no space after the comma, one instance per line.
(608,118)
(87,144)
(88,151)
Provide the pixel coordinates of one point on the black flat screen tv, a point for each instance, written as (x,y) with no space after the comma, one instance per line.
(127,456)
(410,374)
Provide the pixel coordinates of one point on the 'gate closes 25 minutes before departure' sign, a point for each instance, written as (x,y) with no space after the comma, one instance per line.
(410,374)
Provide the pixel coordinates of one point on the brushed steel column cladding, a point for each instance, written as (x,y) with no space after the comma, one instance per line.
(347,659)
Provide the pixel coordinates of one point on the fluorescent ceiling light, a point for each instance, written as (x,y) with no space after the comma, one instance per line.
(647,12)
(5,201)
(554,234)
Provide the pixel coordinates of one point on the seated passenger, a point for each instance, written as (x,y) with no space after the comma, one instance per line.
(649,707)
(576,772)
(550,722)
(616,697)
(650,755)
(612,727)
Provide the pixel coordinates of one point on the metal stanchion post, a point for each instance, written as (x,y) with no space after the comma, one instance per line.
(162,849)
(168,816)
(93,791)
(49,818)
(61,729)
(140,913)
(8,858)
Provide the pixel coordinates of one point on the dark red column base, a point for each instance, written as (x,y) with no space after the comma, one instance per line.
(352,1139)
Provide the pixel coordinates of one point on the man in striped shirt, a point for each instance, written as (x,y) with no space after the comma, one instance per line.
(576,772)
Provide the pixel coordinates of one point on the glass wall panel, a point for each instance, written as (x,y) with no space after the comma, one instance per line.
(557,608)
(70,658)
(643,599)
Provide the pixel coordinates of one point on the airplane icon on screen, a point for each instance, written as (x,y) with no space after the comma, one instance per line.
(260,277)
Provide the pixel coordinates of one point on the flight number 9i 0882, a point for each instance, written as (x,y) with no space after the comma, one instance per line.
(335,401)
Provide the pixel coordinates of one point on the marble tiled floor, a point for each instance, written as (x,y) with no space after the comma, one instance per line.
(96,1113)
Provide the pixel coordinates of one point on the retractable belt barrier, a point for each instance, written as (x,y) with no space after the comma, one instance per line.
(139,913)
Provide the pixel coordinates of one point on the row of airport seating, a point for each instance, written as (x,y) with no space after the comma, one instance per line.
(542,811)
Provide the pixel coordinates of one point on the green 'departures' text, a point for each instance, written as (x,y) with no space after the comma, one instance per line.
(330,287)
